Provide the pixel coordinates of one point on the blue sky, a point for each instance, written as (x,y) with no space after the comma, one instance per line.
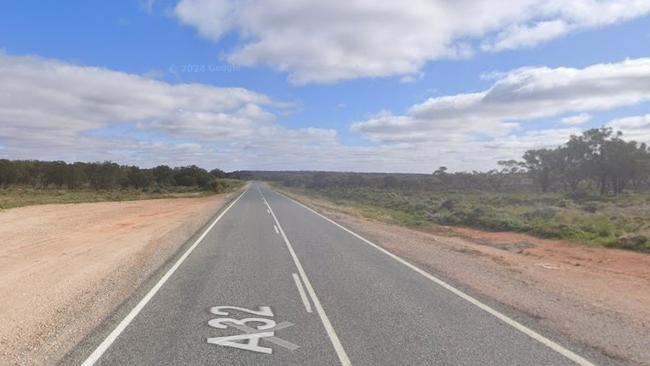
(309,99)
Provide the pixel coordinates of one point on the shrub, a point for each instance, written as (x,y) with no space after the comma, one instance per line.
(218,186)
(633,241)
(590,207)
(545,213)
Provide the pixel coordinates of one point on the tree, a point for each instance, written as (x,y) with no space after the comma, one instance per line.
(540,165)
(8,173)
(192,176)
(76,176)
(390,182)
(163,175)
(54,173)
(139,178)
(218,173)
(598,155)
(105,175)
(440,171)
(572,166)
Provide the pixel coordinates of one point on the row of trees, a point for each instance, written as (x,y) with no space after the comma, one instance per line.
(107,175)
(598,160)
(441,180)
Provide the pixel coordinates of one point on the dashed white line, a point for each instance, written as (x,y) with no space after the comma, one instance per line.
(99,351)
(511,322)
(301,291)
(276,229)
(336,343)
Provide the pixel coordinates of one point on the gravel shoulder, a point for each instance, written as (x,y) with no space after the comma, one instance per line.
(65,267)
(595,296)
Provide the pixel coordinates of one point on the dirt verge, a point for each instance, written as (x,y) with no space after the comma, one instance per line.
(63,268)
(596,296)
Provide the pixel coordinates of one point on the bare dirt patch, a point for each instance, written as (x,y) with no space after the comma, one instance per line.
(63,268)
(596,296)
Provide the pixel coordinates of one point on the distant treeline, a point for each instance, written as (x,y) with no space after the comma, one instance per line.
(104,176)
(598,160)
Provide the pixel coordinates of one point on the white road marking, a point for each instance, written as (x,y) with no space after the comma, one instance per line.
(276,229)
(513,323)
(254,336)
(99,351)
(338,347)
(301,291)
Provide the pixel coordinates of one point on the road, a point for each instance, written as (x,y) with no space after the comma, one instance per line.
(272,282)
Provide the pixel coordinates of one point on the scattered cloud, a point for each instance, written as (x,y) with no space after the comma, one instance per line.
(515,97)
(553,19)
(55,110)
(635,128)
(328,41)
(578,119)
(411,78)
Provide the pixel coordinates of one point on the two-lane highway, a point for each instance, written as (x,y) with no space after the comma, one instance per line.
(272,282)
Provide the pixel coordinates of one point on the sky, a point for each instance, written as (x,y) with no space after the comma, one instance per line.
(342,85)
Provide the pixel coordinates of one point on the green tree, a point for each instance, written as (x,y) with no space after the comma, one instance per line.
(540,165)
(76,176)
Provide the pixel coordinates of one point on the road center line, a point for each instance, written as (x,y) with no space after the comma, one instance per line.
(511,322)
(301,291)
(108,341)
(338,347)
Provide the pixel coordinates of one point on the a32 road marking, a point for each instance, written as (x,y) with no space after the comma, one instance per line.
(250,339)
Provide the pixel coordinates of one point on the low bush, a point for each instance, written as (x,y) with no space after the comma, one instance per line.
(612,221)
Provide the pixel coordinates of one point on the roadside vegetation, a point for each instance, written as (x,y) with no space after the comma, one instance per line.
(595,189)
(621,222)
(32,182)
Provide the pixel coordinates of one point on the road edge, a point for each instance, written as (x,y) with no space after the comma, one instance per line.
(461,292)
(90,342)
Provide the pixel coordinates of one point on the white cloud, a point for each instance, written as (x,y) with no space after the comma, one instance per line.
(56,110)
(53,110)
(578,119)
(517,36)
(552,19)
(518,96)
(635,128)
(327,41)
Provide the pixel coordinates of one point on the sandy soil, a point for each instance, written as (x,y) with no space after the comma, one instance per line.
(63,268)
(598,297)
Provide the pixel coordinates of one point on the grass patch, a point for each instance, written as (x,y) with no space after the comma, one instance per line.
(26,196)
(617,222)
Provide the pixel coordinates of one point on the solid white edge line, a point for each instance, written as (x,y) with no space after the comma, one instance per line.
(301,291)
(108,341)
(336,343)
(513,323)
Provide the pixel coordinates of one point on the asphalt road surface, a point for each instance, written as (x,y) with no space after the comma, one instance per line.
(271,282)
